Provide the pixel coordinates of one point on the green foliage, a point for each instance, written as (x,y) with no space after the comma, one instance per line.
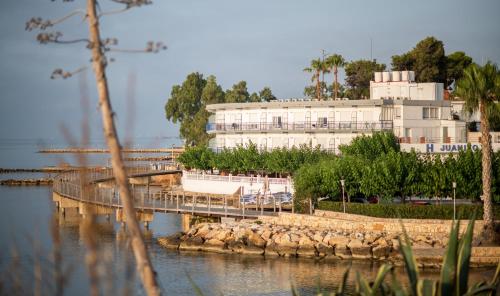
(456,63)
(317,67)
(407,211)
(358,76)
(372,146)
(187,104)
(427,59)
(238,94)
(266,95)
(249,159)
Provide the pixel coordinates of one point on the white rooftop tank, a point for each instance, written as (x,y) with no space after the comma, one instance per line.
(378,76)
(412,75)
(386,76)
(396,76)
(405,75)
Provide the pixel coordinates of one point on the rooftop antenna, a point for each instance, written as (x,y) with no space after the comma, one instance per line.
(371,49)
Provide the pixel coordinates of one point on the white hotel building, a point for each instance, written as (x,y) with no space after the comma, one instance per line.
(416,113)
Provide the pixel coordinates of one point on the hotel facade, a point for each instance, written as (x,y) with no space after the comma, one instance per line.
(415,112)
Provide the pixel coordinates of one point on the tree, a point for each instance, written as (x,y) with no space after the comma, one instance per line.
(334,62)
(427,59)
(358,76)
(98,47)
(455,66)
(238,94)
(187,105)
(266,95)
(480,88)
(317,67)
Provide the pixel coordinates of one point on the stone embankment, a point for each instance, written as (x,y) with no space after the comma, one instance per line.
(265,239)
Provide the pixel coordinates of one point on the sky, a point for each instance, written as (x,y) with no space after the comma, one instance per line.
(264,42)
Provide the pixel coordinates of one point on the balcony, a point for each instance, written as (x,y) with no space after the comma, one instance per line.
(301,126)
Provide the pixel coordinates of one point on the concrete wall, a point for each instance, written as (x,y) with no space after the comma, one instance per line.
(216,184)
(350,222)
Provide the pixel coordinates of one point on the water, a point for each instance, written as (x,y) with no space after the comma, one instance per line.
(25,219)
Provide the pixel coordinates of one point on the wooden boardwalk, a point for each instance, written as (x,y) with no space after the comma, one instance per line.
(82,186)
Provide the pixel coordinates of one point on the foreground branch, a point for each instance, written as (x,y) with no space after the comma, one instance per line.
(144,266)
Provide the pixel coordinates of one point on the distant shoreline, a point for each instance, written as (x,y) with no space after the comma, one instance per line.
(126,150)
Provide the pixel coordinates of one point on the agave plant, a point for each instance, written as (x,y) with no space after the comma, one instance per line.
(454,272)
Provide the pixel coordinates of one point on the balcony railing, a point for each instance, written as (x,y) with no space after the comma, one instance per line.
(302,126)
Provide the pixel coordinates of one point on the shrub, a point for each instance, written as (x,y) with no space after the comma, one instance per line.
(408,211)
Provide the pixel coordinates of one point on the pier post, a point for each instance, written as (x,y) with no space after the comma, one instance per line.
(186,219)
(225,205)
(177,203)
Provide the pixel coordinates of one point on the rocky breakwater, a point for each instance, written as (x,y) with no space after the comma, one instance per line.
(254,238)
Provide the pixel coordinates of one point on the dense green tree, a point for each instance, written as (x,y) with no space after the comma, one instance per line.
(254,98)
(372,146)
(427,59)
(187,105)
(238,94)
(403,62)
(455,66)
(480,88)
(358,76)
(334,62)
(317,67)
(266,95)
(183,105)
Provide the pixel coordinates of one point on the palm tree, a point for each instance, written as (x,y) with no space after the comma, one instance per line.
(480,88)
(317,67)
(334,62)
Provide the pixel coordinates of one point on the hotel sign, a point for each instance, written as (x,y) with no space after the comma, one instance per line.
(449,148)
(443,147)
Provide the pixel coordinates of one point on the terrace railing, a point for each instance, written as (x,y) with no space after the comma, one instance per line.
(301,126)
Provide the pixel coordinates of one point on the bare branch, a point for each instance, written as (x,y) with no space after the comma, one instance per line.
(60,73)
(39,23)
(153,47)
(53,37)
(133,3)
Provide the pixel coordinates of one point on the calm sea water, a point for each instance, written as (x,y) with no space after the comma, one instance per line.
(25,217)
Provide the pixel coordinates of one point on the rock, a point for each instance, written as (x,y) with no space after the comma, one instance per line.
(381,249)
(342,252)
(318,237)
(324,250)
(256,240)
(240,248)
(172,241)
(191,244)
(306,247)
(395,245)
(338,240)
(215,245)
(266,234)
(223,234)
(359,250)
(327,238)
(203,230)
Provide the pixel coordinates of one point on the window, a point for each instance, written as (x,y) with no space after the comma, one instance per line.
(397,112)
(430,112)
(322,121)
(277,121)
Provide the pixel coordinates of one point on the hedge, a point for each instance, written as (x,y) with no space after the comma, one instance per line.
(409,211)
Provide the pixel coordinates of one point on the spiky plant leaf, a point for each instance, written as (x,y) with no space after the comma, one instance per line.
(343,284)
(463,260)
(362,285)
(410,262)
(379,279)
(449,268)
(426,287)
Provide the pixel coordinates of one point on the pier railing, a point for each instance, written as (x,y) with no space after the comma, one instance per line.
(79,186)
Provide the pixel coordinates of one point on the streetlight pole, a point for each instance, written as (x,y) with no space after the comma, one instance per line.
(454,184)
(342,182)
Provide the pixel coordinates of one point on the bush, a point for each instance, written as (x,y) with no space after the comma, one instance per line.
(408,211)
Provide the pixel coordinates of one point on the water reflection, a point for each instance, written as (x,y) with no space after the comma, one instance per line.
(26,212)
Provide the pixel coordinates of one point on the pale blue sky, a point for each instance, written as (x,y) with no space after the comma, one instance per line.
(265,42)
